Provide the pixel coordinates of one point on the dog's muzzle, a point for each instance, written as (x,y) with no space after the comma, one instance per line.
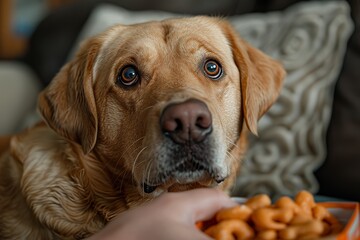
(186,127)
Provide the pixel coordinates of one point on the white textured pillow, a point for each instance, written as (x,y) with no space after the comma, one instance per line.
(310,40)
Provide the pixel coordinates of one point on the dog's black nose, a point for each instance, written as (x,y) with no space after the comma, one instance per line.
(189,121)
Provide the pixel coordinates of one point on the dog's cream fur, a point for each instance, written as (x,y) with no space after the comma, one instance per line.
(102,141)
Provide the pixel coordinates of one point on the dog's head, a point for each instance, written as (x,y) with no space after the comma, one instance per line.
(165,101)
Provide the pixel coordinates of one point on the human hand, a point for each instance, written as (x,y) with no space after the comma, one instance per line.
(170,216)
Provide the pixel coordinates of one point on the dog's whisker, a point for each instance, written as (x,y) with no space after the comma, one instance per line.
(148,170)
(149,107)
(136,158)
(122,179)
(119,170)
(123,154)
(130,146)
(145,172)
(230,142)
(230,155)
(123,175)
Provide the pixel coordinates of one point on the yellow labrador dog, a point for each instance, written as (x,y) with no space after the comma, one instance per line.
(141,110)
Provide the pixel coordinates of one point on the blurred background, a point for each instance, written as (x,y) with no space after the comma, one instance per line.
(37,36)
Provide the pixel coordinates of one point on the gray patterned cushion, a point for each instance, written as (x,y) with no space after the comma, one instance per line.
(310,40)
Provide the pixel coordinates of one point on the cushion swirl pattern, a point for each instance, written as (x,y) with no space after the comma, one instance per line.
(309,39)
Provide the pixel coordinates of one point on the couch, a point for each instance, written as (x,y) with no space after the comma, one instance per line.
(330,168)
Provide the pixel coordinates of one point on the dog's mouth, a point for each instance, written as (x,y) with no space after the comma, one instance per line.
(176,187)
(148,189)
(184,168)
(181,178)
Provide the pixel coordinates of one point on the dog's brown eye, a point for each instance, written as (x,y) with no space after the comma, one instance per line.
(212,69)
(128,76)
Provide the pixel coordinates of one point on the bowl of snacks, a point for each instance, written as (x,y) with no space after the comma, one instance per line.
(286,218)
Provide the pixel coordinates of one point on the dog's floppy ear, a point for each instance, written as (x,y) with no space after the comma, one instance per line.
(68,103)
(261,78)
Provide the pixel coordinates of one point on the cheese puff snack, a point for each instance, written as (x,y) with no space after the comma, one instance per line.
(286,219)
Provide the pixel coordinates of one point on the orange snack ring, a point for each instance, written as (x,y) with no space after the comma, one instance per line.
(266,235)
(306,201)
(227,229)
(287,202)
(272,218)
(300,218)
(241,212)
(258,201)
(319,212)
(313,228)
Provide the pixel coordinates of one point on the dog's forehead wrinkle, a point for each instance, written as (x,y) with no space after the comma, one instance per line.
(186,38)
(200,32)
